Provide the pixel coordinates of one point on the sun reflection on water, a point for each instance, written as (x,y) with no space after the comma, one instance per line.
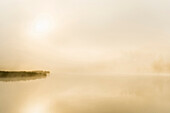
(35,108)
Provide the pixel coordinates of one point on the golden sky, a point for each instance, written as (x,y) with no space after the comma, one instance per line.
(75,39)
(60,34)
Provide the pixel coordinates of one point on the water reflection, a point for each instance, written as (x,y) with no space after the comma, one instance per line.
(87,94)
(35,108)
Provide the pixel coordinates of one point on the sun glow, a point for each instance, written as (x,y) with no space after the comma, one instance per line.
(41,26)
(35,108)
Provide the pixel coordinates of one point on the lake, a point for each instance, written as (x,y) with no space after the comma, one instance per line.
(62,93)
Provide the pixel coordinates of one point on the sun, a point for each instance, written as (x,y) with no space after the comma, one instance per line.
(40,27)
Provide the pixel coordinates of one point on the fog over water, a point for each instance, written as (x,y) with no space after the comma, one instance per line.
(87,94)
(104,56)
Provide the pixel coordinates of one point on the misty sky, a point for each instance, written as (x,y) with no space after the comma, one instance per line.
(71,38)
(82,32)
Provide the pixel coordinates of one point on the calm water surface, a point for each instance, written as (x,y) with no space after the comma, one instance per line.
(61,93)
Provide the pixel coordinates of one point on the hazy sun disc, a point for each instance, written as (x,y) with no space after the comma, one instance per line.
(41,27)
